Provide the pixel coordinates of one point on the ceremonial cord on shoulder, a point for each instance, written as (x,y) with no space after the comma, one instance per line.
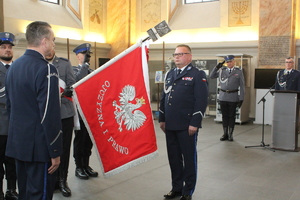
(48,93)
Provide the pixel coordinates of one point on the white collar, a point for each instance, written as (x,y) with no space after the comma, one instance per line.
(181,68)
(6,63)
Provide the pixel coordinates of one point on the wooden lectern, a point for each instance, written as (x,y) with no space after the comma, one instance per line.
(285,120)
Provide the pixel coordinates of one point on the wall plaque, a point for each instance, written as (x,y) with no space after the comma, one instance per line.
(273,50)
(239,12)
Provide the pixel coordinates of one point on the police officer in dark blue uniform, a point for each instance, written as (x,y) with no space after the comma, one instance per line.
(288,78)
(232,92)
(6,55)
(66,80)
(82,141)
(182,107)
(33,107)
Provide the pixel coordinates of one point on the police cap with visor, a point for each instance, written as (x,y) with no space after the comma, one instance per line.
(83,48)
(7,38)
(229,58)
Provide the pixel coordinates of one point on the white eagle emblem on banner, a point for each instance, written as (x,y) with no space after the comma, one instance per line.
(126,113)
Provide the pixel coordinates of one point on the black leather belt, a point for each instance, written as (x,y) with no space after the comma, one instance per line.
(229,91)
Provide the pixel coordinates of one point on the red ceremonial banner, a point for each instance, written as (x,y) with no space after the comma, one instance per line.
(114,104)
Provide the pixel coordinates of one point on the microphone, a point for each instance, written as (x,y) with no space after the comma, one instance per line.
(273,85)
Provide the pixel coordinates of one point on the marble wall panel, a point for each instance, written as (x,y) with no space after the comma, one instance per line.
(275,17)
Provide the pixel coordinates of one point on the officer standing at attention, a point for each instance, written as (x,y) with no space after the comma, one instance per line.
(182,107)
(288,78)
(82,141)
(66,79)
(6,55)
(231,80)
(33,107)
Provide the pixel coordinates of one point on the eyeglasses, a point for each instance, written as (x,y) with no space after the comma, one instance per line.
(179,54)
(288,62)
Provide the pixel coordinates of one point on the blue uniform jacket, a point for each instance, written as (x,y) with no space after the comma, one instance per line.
(286,81)
(184,99)
(33,105)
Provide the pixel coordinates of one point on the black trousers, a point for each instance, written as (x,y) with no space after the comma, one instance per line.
(67,129)
(34,182)
(228,110)
(82,146)
(182,155)
(9,164)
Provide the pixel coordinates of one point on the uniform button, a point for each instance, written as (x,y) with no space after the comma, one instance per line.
(170,104)
(170,96)
(174,83)
(172,90)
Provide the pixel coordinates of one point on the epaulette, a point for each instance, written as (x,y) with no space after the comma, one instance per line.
(63,58)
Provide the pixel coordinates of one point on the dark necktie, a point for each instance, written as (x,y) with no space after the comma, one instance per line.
(288,72)
(178,71)
(7,66)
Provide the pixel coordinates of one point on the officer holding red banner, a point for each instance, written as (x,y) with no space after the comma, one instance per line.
(82,141)
(182,107)
(66,79)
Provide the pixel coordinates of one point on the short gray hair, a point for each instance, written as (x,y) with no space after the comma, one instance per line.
(36,31)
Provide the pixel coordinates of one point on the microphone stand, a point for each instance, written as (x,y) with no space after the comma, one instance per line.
(262,143)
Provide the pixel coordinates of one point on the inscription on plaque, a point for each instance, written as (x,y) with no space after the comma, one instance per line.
(273,50)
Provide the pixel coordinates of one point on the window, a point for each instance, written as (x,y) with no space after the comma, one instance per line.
(51,1)
(197,1)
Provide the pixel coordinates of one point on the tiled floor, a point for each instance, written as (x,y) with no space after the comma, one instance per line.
(227,171)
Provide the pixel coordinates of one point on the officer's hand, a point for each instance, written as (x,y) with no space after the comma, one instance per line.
(162,126)
(54,165)
(68,92)
(192,130)
(220,64)
(240,104)
(87,57)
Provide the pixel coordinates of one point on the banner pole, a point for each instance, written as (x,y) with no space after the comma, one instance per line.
(147,38)
(95,54)
(68,48)
(163,69)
